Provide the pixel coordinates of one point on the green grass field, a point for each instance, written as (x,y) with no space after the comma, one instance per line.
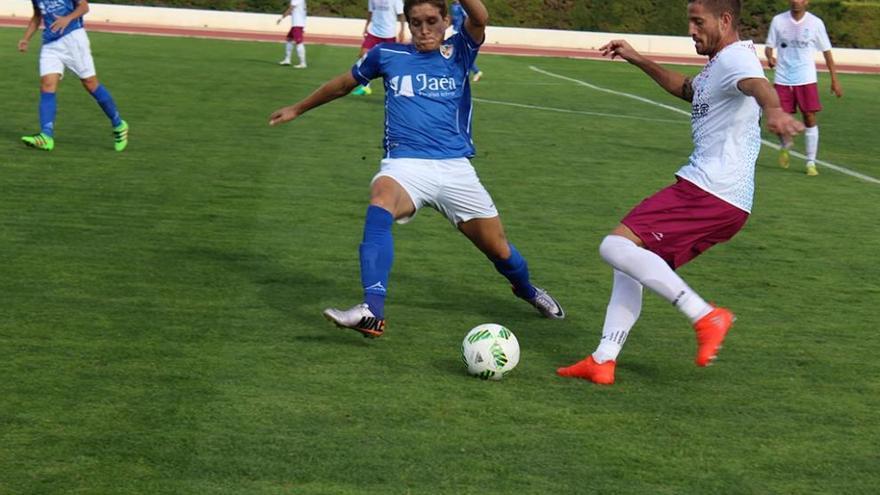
(161,328)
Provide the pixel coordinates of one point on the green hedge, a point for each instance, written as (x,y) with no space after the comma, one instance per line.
(850,23)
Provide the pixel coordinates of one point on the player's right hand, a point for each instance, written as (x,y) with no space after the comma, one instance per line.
(771,61)
(619,48)
(22,45)
(781,123)
(283,115)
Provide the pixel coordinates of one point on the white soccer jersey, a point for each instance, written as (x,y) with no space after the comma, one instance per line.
(796,43)
(725,127)
(298,13)
(383,23)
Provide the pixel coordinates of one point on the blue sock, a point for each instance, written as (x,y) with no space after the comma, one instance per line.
(47,113)
(474,68)
(102,96)
(516,270)
(377,254)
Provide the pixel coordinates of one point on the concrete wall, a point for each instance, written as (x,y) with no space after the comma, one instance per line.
(265,23)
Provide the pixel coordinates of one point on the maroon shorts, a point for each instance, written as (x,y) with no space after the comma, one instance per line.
(805,97)
(295,34)
(681,221)
(370,41)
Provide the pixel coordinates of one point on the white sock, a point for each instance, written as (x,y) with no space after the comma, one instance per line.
(651,271)
(288,49)
(620,316)
(811,136)
(301,53)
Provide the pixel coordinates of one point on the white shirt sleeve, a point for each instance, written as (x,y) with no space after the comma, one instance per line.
(771,34)
(370,5)
(398,7)
(823,44)
(737,65)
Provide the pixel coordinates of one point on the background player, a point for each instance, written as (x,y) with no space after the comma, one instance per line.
(66,45)
(382,17)
(297,12)
(797,35)
(427,146)
(712,197)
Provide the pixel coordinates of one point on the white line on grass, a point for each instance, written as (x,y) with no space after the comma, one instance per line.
(838,168)
(562,110)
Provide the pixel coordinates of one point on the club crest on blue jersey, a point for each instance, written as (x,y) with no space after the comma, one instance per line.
(446,51)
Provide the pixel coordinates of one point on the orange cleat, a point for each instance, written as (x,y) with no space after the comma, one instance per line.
(711,330)
(588,369)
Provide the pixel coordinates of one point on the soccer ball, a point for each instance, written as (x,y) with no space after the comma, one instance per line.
(490,351)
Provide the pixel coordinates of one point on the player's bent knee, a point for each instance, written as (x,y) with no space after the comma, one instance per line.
(612,248)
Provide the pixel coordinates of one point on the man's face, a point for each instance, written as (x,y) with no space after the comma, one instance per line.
(705,28)
(799,6)
(427,26)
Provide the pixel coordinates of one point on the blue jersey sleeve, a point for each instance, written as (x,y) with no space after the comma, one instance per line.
(466,46)
(369,67)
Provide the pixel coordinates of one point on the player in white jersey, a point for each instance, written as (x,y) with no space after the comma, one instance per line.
(66,47)
(797,35)
(712,196)
(428,144)
(382,17)
(297,12)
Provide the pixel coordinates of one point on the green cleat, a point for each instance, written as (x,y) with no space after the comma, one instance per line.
(39,141)
(362,91)
(784,158)
(120,136)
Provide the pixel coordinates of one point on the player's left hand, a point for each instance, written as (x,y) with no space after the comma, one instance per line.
(781,123)
(836,89)
(283,115)
(60,23)
(22,45)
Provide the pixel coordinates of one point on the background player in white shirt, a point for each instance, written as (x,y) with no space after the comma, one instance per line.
(382,17)
(428,144)
(297,12)
(797,35)
(711,200)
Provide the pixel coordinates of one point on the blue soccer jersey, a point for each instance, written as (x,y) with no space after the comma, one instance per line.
(428,105)
(52,10)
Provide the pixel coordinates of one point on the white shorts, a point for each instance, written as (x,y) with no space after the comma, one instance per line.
(72,51)
(449,186)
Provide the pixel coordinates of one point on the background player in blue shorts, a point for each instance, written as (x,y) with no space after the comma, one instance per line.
(66,45)
(427,144)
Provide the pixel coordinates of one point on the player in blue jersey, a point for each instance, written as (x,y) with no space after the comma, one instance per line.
(428,144)
(456,11)
(66,45)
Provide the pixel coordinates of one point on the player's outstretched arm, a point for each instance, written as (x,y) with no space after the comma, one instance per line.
(32,27)
(477,19)
(778,122)
(337,87)
(675,83)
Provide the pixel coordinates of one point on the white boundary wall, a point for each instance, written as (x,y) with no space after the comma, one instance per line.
(265,23)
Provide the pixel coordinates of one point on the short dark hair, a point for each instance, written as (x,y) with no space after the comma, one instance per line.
(719,7)
(409,4)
